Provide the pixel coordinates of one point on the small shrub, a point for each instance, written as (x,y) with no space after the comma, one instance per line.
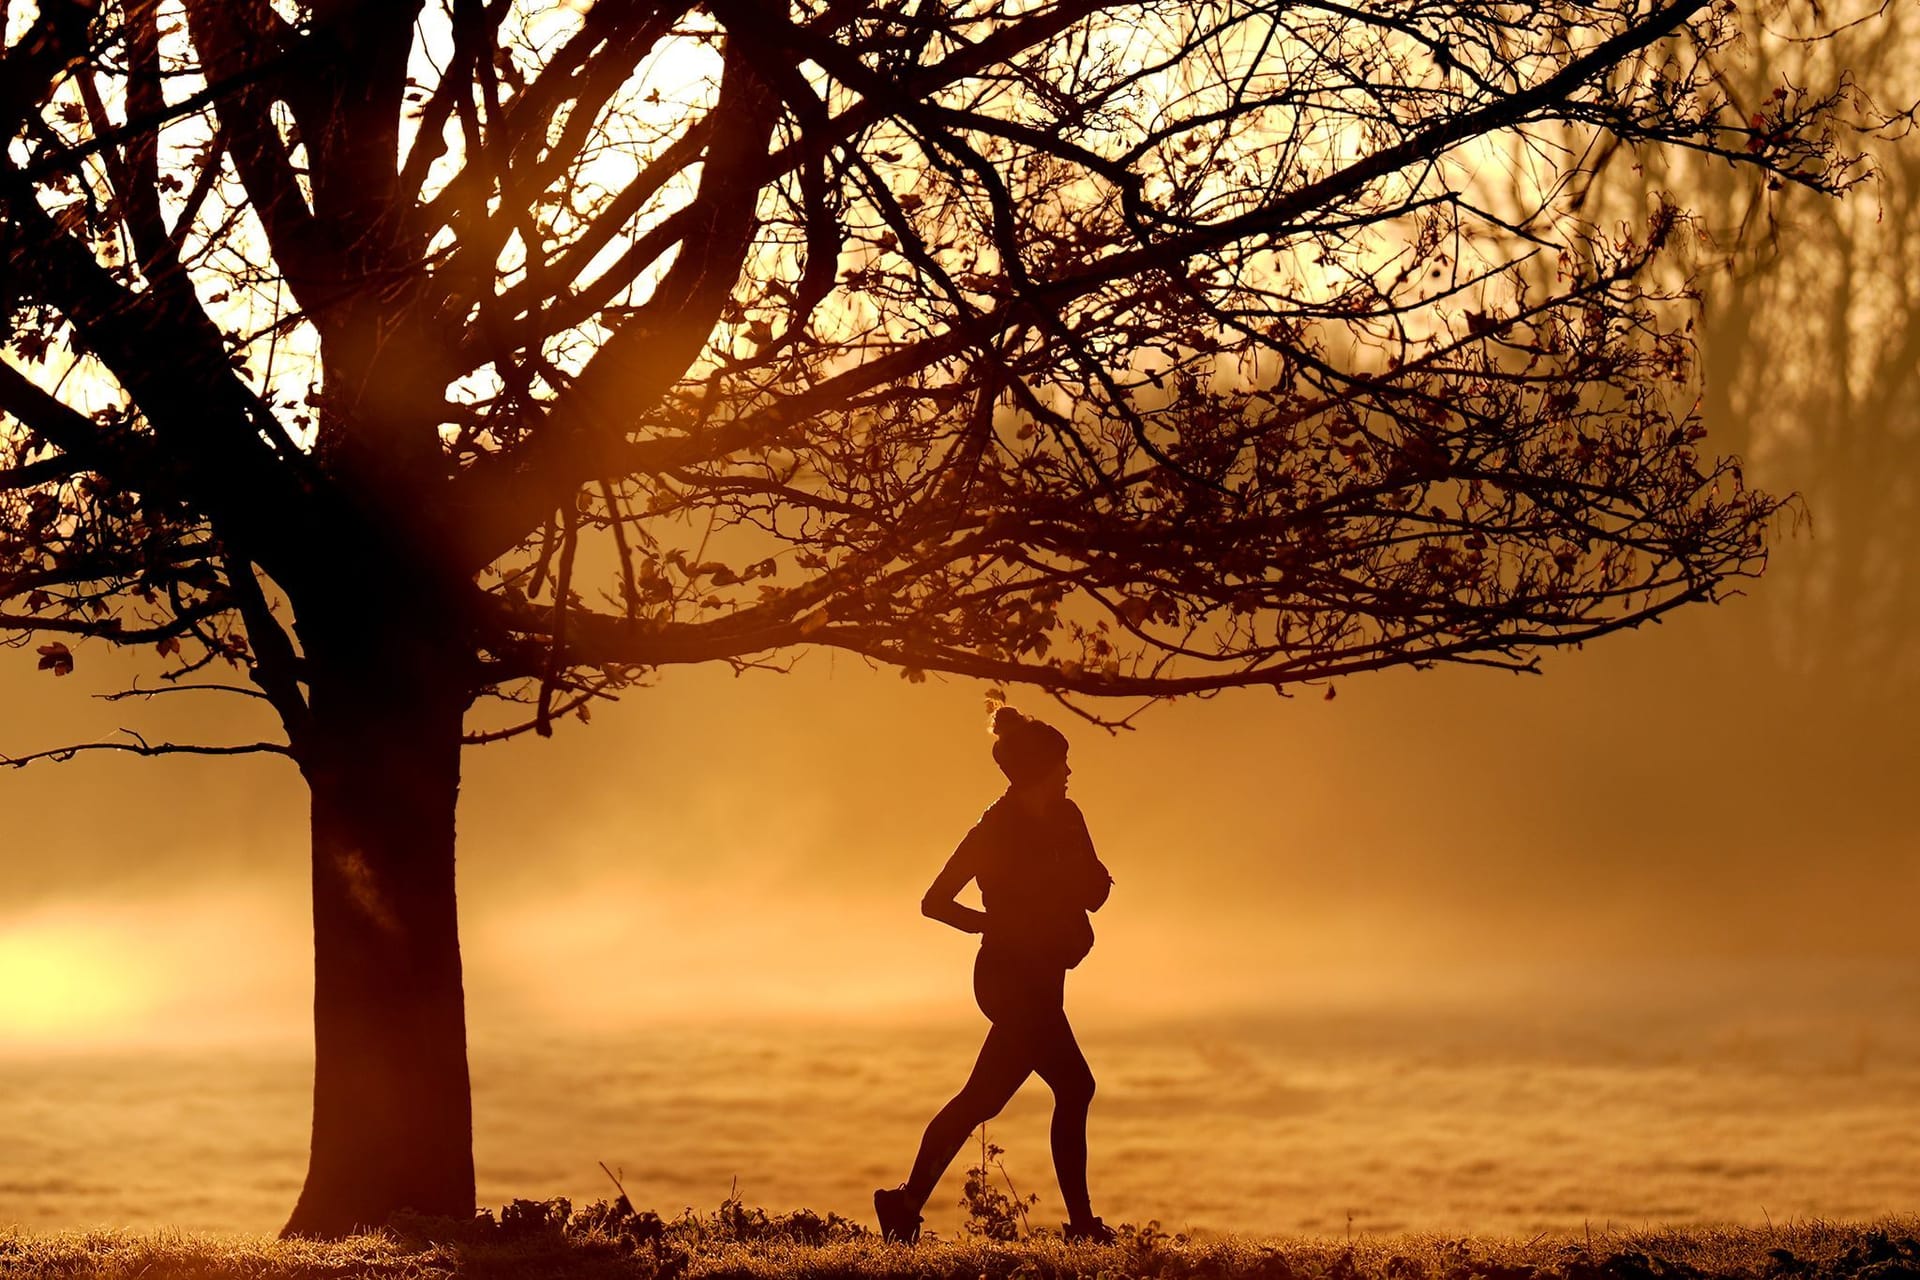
(991,1212)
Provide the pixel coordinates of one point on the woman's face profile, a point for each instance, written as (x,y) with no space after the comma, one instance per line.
(1051,785)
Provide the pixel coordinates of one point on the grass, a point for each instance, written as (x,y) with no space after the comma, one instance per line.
(603,1242)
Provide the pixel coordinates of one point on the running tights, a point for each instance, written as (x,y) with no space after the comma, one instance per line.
(1029,1034)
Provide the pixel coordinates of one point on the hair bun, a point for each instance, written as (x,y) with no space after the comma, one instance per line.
(1025,748)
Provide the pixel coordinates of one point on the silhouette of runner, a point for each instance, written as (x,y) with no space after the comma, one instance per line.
(1039,877)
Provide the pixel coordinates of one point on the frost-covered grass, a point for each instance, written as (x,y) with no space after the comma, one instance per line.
(536,1240)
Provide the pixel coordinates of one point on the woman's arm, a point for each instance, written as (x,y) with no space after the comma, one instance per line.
(939,902)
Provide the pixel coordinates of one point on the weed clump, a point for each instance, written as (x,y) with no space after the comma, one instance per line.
(644,1243)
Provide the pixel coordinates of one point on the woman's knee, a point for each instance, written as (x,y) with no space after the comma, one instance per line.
(973,1107)
(1073,1089)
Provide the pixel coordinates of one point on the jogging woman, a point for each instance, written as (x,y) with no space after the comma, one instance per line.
(1038,878)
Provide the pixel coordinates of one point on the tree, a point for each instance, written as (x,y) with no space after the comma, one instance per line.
(410,358)
(1808,326)
(1825,391)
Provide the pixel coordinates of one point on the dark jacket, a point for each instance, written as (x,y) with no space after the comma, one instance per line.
(1039,877)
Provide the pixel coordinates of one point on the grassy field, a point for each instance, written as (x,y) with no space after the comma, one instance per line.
(548,1239)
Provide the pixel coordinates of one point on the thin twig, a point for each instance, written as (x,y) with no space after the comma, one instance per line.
(141,747)
(138,692)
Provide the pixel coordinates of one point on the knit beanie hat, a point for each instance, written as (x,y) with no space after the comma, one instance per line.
(1025,748)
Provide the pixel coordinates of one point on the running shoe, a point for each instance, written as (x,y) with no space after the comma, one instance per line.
(1092,1231)
(897,1221)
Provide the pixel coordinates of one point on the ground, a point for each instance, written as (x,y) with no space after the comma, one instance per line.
(547,1239)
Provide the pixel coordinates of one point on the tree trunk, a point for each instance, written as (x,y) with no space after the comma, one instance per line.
(392,1113)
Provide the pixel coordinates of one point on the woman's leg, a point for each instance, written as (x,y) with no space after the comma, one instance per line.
(1057,1057)
(1004,1064)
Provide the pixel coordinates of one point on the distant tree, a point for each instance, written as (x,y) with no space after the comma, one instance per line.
(404,356)
(1809,328)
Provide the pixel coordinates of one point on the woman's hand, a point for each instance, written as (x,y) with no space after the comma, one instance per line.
(947,911)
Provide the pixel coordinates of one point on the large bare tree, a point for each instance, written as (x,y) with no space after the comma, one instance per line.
(420,358)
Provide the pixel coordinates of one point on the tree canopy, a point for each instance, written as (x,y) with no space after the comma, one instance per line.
(1116,348)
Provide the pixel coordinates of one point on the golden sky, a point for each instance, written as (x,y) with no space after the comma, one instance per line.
(1731,789)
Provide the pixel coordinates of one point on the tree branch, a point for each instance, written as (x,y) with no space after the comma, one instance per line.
(141,747)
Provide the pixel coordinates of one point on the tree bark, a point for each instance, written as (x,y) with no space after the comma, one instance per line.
(392,1115)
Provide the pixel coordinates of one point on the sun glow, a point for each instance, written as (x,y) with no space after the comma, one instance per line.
(222,965)
(62,980)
